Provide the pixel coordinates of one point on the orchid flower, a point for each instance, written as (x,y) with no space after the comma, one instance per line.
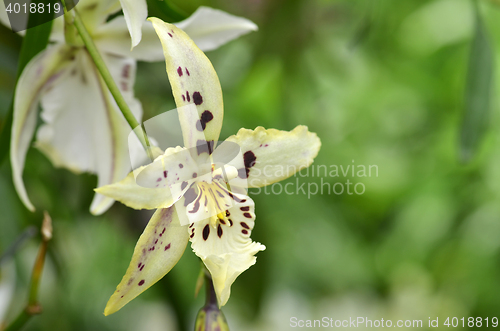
(83,130)
(198,190)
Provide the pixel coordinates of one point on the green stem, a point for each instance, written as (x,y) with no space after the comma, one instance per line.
(33,307)
(110,83)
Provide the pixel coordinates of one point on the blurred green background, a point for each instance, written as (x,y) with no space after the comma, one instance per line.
(382,82)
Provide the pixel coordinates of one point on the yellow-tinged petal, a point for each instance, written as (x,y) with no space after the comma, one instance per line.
(157,185)
(225,246)
(128,192)
(40,72)
(158,250)
(193,80)
(273,155)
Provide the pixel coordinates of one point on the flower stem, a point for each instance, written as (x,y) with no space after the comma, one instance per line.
(33,307)
(110,83)
(210,317)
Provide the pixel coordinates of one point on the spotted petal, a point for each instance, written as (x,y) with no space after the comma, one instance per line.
(157,185)
(158,250)
(225,246)
(193,80)
(40,74)
(272,155)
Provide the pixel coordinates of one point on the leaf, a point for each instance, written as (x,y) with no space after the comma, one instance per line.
(35,40)
(477,91)
(165,10)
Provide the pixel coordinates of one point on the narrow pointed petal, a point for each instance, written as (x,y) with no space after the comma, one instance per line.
(128,192)
(193,80)
(39,74)
(210,28)
(113,38)
(158,250)
(225,247)
(95,12)
(273,155)
(135,12)
(83,129)
(157,185)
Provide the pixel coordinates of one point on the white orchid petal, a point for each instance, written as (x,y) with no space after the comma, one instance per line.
(158,250)
(95,12)
(113,38)
(39,73)
(273,155)
(135,12)
(84,130)
(225,247)
(210,28)
(4,18)
(194,81)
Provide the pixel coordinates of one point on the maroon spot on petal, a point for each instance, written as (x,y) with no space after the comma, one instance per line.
(189,196)
(187,71)
(163,231)
(187,96)
(179,71)
(139,265)
(183,98)
(130,281)
(197,98)
(243,224)
(203,146)
(167,247)
(266,145)
(126,71)
(191,225)
(205,117)
(247,215)
(141,283)
(244,231)
(158,180)
(192,235)
(183,185)
(156,241)
(165,172)
(219,231)
(243,173)
(235,198)
(249,159)
(195,175)
(230,222)
(170,35)
(206,232)
(121,296)
(220,194)
(206,201)
(181,166)
(142,267)
(247,208)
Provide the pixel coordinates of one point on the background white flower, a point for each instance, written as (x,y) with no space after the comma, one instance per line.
(83,129)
